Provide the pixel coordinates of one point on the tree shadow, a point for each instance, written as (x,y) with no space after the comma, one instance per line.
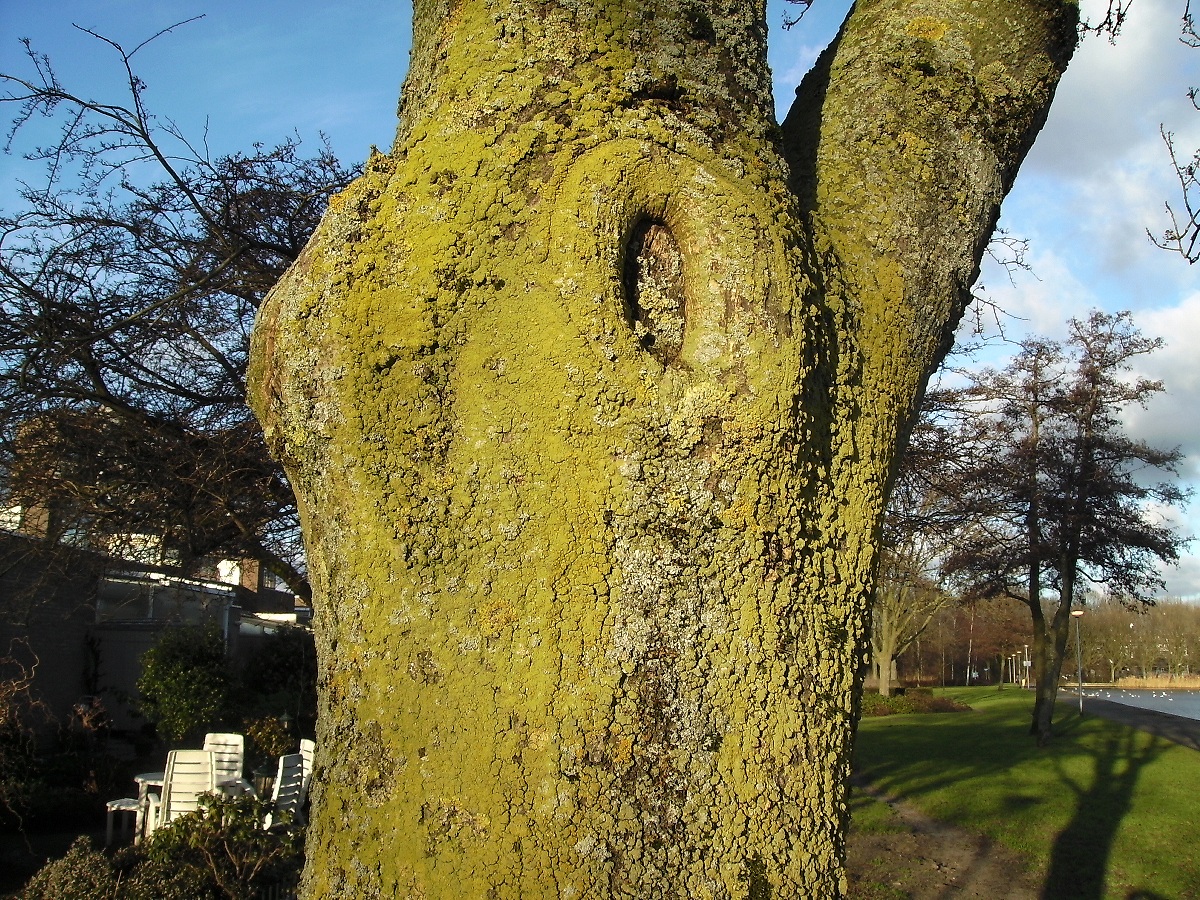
(1096,779)
(1079,857)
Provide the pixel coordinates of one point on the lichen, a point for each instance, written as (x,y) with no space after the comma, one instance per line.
(591,608)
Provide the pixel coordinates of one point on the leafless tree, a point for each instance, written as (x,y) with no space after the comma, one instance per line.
(1182,235)
(129,279)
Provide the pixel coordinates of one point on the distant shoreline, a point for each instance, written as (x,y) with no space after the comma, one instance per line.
(1178,683)
(1181,683)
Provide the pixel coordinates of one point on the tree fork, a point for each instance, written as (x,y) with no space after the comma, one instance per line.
(591,391)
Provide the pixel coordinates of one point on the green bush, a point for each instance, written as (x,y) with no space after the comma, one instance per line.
(220,852)
(269,738)
(83,874)
(86,873)
(41,786)
(280,676)
(914,700)
(185,683)
(224,848)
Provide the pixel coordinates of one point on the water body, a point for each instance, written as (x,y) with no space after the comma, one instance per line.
(1177,703)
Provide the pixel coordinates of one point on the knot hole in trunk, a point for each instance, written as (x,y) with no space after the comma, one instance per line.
(655,305)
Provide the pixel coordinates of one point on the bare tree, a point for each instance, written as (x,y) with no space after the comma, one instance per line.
(1108,645)
(129,278)
(906,601)
(922,518)
(1182,235)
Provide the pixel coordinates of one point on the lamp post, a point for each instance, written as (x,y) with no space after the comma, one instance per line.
(1077,614)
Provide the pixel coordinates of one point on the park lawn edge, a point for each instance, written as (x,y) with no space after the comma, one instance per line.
(1105,808)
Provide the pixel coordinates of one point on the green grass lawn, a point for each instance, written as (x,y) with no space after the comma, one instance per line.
(1103,812)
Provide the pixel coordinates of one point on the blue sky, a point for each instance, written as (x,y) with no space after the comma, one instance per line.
(1094,183)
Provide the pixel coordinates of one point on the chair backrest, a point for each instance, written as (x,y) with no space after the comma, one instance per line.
(189,774)
(308,752)
(287,795)
(229,750)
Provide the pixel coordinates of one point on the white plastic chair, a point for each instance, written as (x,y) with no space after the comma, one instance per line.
(229,750)
(189,774)
(287,795)
(308,751)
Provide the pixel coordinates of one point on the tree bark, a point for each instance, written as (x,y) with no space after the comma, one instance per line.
(591,390)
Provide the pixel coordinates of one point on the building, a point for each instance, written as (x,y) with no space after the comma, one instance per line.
(81,619)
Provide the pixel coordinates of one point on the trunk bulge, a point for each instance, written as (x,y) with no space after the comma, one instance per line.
(592,456)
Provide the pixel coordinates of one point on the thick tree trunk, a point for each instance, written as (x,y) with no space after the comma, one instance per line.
(591,391)
(883,648)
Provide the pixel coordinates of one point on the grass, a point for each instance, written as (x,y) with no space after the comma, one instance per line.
(1104,813)
(878,878)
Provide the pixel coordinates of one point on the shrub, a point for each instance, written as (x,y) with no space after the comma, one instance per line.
(185,683)
(18,709)
(220,852)
(280,676)
(917,700)
(270,738)
(933,704)
(224,850)
(83,874)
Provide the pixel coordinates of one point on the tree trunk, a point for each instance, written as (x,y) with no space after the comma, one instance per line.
(883,639)
(1050,646)
(971,645)
(591,391)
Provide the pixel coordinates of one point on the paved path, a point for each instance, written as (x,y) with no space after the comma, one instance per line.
(1174,728)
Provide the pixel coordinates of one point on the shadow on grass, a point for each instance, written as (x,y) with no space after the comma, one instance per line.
(1079,858)
(1089,775)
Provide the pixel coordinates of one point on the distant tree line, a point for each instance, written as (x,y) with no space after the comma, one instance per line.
(971,643)
(1162,640)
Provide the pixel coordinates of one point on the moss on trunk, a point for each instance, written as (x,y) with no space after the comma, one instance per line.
(591,390)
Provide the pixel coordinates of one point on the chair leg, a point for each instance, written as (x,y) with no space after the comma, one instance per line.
(115,808)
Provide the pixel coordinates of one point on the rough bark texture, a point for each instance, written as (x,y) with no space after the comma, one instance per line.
(591,390)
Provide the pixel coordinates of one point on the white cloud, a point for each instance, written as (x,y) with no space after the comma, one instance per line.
(1114,95)
(1183,579)
(1172,418)
(1038,301)
(1099,176)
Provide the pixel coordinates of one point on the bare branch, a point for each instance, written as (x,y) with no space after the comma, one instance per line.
(1112,23)
(790,21)
(1182,236)
(128,283)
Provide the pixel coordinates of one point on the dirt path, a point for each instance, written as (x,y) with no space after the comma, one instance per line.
(918,858)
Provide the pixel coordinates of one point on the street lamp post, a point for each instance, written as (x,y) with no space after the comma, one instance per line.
(1077,614)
